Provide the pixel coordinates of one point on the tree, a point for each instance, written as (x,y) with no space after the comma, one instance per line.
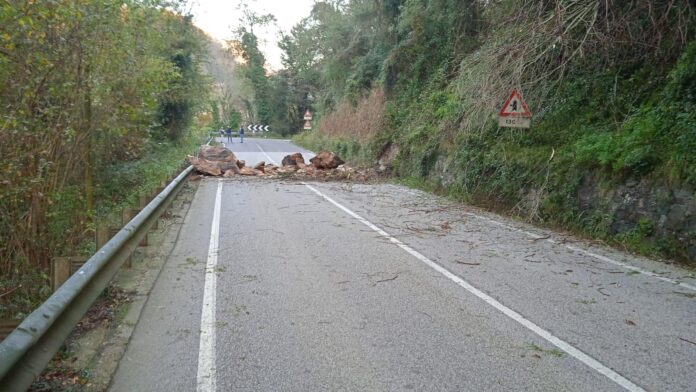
(254,67)
(81,82)
(177,108)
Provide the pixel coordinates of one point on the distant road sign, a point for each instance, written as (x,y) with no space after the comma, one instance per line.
(515,112)
(307,125)
(259,128)
(308,115)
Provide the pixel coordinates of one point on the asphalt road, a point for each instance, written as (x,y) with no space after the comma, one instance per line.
(285,286)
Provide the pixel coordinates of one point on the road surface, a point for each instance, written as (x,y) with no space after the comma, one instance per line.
(286,286)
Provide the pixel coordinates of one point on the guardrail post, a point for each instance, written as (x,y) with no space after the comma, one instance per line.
(143,200)
(103,236)
(60,271)
(126,216)
(63,267)
(152,197)
(6,327)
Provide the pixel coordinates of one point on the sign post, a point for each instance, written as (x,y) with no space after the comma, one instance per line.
(308,120)
(515,113)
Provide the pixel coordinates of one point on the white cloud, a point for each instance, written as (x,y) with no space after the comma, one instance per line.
(219,17)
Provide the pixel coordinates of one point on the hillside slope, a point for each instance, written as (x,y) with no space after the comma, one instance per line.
(611,86)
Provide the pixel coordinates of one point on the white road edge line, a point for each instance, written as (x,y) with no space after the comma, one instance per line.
(267,156)
(548,336)
(207,377)
(586,252)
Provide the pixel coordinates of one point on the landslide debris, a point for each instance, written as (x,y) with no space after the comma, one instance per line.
(326,165)
(326,160)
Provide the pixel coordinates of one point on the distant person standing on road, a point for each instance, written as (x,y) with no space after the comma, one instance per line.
(229,134)
(241,134)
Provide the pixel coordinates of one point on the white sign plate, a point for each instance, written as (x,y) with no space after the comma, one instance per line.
(514,122)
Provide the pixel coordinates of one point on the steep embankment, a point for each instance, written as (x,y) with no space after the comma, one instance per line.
(612,87)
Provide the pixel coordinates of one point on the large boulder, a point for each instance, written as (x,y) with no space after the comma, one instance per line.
(229,166)
(204,166)
(326,160)
(293,159)
(216,153)
(214,161)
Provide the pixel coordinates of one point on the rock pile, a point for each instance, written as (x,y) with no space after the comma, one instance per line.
(219,161)
(215,161)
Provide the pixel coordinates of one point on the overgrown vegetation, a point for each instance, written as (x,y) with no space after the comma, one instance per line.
(611,85)
(98,98)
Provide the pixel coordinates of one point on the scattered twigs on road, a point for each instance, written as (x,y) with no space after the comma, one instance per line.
(462,262)
(602,292)
(376,274)
(386,280)
(687,340)
(426,314)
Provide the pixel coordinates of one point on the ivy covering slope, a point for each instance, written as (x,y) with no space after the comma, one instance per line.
(612,86)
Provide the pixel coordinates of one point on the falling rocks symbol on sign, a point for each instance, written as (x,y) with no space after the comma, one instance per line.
(515,106)
(515,113)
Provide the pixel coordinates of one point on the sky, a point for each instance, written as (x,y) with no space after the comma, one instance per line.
(219,17)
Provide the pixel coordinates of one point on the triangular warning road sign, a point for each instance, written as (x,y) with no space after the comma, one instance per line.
(515,106)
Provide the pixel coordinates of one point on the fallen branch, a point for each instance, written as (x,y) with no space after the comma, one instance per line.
(386,280)
(461,262)
(10,292)
(688,341)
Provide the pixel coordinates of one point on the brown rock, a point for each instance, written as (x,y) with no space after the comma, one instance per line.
(230,173)
(215,160)
(204,166)
(326,160)
(386,159)
(215,153)
(345,169)
(229,166)
(191,159)
(260,166)
(270,169)
(293,159)
(247,171)
(241,163)
(287,169)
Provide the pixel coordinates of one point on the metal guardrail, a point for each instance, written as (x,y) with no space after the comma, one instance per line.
(28,349)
